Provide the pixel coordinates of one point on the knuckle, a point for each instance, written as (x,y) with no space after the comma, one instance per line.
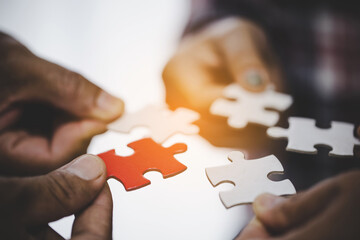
(61,190)
(72,83)
(11,48)
(75,86)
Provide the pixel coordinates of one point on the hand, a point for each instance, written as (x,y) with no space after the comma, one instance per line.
(47,113)
(230,50)
(28,204)
(330,210)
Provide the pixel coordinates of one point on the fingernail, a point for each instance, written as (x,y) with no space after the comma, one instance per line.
(87,167)
(254,78)
(266,202)
(112,106)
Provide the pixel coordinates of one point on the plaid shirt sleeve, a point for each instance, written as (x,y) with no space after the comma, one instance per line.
(318,45)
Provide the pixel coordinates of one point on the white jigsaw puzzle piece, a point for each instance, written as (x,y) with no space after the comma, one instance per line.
(250,107)
(303,136)
(161,122)
(250,178)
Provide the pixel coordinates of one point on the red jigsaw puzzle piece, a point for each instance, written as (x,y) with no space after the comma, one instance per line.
(148,156)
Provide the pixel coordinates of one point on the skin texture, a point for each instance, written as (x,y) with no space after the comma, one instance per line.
(226,51)
(48,115)
(28,204)
(329,210)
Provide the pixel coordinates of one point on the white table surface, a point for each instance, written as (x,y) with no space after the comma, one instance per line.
(122,46)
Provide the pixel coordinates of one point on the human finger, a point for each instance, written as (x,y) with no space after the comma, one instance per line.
(30,78)
(87,224)
(67,190)
(340,217)
(248,55)
(23,153)
(279,214)
(254,230)
(72,92)
(195,78)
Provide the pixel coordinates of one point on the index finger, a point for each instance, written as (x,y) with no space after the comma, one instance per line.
(248,55)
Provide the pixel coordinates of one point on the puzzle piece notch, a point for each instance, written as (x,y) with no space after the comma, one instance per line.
(303,136)
(226,108)
(250,178)
(250,107)
(148,156)
(161,122)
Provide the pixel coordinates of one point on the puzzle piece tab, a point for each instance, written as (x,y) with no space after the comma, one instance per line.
(303,135)
(250,107)
(161,122)
(250,179)
(148,156)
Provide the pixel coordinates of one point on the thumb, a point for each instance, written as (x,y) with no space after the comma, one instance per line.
(62,192)
(254,230)
(279,214)
(69,91)
(249,56)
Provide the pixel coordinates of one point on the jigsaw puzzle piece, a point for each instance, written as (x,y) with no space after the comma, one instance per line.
(263,117)
(182,118)
(303,136)
(148,156)
(223,107)
(250,179)
(239,116)
(250,107)
(161,122)
(178,121)
(130,120)
(266,99)
(149,151)
(216,174)
(122,170)
(278,101)
(342,144)
(239,196)
(293,145)
(226,108)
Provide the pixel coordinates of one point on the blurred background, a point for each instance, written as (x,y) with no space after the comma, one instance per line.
(121,46)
